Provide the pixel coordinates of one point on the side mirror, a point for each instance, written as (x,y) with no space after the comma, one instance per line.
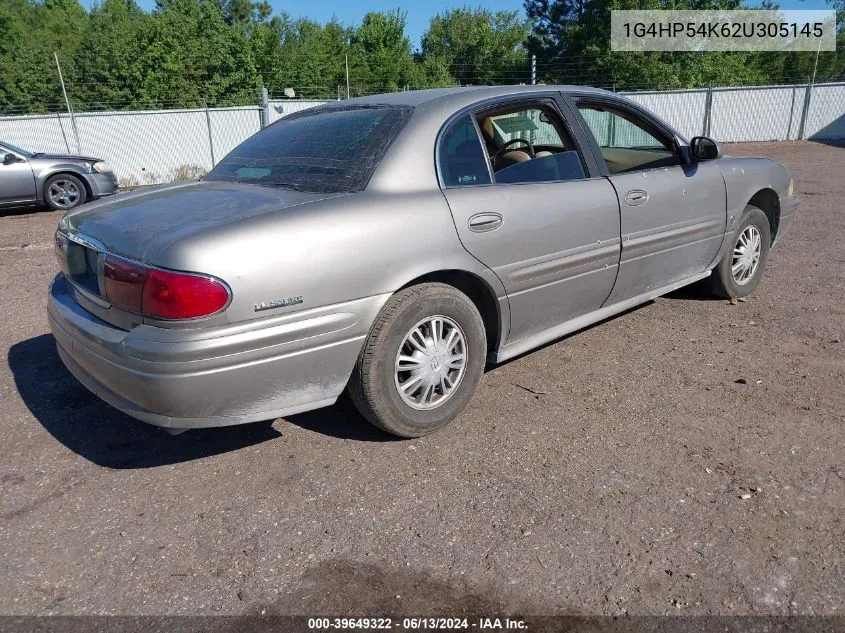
(703,148)
(10,159)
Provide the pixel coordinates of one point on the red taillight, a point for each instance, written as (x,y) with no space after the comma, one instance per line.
(159,293)
(177,296)
(124,282)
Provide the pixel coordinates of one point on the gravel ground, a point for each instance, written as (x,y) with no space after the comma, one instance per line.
(602,474)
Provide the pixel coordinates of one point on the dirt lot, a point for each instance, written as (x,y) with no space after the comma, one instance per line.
(602,474)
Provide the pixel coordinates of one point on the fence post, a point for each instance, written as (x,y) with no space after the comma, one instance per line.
(791,114)
(808,92)
(708,112)
(62,128)
(210,139)
(264,112)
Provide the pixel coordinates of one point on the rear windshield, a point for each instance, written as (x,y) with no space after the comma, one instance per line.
(323,150)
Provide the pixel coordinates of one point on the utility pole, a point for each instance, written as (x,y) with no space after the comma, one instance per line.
(67,102)
(346,57)
(533,70)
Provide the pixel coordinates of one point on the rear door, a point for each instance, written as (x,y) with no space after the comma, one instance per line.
(673,213)
(17,184)
(548,226)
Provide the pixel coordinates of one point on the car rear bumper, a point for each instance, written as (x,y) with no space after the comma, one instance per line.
(214,376)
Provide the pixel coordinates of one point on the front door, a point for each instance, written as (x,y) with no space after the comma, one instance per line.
(673,213)
(17,184)
(525,204)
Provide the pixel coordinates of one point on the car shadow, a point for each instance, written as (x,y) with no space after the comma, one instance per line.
(109,438)
(840,143)
(699,291)
(24,210)
(341,420)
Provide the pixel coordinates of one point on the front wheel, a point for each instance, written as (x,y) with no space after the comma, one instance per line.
(422,361)
(64,192)
(741,269)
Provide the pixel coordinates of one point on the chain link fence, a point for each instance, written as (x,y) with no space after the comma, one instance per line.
(156,146)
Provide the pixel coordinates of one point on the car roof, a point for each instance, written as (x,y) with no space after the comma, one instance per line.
(460,96)
(401,168)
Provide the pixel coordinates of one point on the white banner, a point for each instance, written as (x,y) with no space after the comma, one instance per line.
(742,30)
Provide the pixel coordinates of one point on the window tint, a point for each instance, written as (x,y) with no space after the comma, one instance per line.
(552,168)
(529,143)
(324,149)
(10,147)
(531,124)
(461,157)
(626,144)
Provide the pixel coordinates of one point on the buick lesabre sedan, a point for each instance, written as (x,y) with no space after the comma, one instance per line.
(393,246)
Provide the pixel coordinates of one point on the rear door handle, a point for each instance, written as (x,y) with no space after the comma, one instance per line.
(481,222)
(636,197)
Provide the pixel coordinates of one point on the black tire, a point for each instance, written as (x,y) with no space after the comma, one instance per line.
(722,281)
(373,386)
(72,184)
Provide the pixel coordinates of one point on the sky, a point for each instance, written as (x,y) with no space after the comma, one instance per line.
(419,12)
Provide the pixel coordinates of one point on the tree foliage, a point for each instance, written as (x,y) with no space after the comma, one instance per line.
(479,46)
(573,38)
(188,53)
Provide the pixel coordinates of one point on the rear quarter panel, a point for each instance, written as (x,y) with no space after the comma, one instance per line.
(328,252)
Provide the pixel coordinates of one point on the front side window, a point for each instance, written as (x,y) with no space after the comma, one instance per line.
(626,143)
(529,143)
(9,147)
(323,150)
(461,157)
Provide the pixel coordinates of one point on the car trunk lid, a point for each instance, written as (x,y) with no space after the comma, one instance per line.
(141,225)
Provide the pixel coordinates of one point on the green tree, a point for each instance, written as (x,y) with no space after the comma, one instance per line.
(30,32)
(382,53)
(245,12)
(196,58)
(113,62)
(431,72)
(479,46)
(302,55)
(572,37)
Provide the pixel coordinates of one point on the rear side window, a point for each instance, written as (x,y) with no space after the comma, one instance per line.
(462,160)
(529,143)
(322,150)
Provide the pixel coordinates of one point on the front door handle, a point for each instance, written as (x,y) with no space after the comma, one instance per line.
(482,222)
(636,197)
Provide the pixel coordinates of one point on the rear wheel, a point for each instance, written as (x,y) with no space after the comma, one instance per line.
(64,192)
(422,361)
(741,269)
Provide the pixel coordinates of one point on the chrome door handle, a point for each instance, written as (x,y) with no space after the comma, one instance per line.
(481,222)
(636,197)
